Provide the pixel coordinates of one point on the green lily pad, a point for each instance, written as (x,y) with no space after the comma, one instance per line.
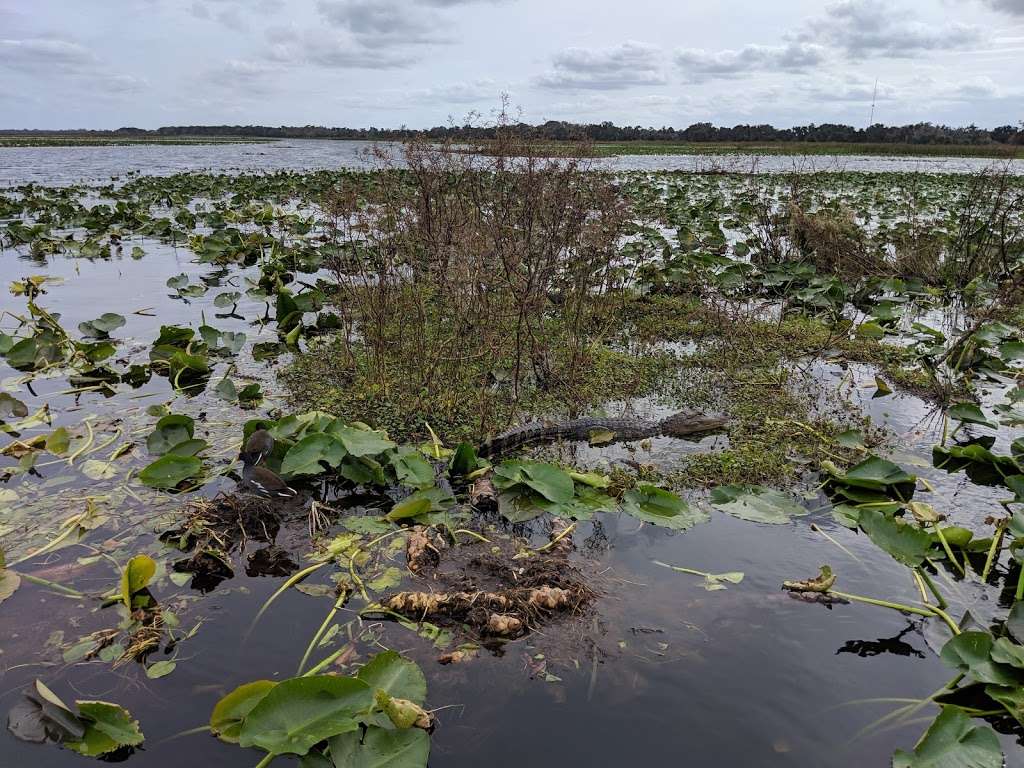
(108,727)
(756,504)
(381,748)
(231,710)
(301,712)
(906,543)
(396,676)
(308,455)
(655,505)
(969,413)
(953,741)
(170,471)
(971,652)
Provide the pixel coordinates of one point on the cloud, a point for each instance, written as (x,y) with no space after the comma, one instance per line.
(1012,7)
(700,64)
(45,53)
(867,28)
(235,14)
(384,22)
(629,64)
(331,49)
(849,90)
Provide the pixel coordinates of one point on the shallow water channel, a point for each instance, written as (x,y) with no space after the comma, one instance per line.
(659,671)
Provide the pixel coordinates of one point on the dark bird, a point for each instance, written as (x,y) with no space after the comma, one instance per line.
(257,447)
(264,482)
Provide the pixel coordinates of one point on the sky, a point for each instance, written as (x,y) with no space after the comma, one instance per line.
(419,63)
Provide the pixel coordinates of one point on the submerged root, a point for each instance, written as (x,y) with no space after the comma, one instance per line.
(503,625)
(420,552)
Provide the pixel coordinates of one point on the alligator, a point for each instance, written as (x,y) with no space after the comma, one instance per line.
(679,424)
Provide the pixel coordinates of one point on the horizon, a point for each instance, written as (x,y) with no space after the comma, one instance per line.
(420,63)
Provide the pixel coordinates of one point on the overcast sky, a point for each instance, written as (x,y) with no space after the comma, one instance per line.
(109,63)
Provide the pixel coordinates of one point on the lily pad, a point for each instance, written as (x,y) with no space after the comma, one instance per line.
(953,741)
(298,713)
(381,748)
(310,455)
(170,471)
(108,727)
(969,413)
(231,710)
(171,430)
(656,505)
(756,504)
(396,676)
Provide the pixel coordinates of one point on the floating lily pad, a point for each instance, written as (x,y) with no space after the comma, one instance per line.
(756,504)
(953,741)
(170,471)
(660,507)
(298,713)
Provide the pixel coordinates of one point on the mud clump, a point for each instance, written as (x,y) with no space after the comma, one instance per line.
(492,590)
(216,528)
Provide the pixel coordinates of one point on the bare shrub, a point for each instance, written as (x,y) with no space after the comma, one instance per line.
(834,242)
(471,267)
(987,237)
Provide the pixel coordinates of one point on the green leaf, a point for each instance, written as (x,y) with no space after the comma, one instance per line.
(851,438)
(305,456)
(411,468)
(135,576)
(1010,697)
(298,713)
(953,741)
(757,504)
(225,389)
(1015,621)
(549,481)
(875,473)
(396,676)
(971,652)
(160,669)
(11,406)
(361,442)
(102,326)
(170,471)
(1011,351)
(231,710)
(108,727)
(420,503)
(1005,651)
(969,413)
(655,505)
(188,448)
(9,583)
(464,460)
(590,479)
(381,748)
(227,299)
(171,430)
(907,543)
(58,441)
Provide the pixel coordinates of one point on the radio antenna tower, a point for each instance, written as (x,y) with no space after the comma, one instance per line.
(874,97)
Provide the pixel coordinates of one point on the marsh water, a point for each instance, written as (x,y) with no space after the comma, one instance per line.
(662,671)
(63,165)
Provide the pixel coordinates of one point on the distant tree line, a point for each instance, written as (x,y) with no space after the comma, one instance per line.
(556,130)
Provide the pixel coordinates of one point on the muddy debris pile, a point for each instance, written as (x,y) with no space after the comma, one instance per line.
(217,529)
(491,589)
